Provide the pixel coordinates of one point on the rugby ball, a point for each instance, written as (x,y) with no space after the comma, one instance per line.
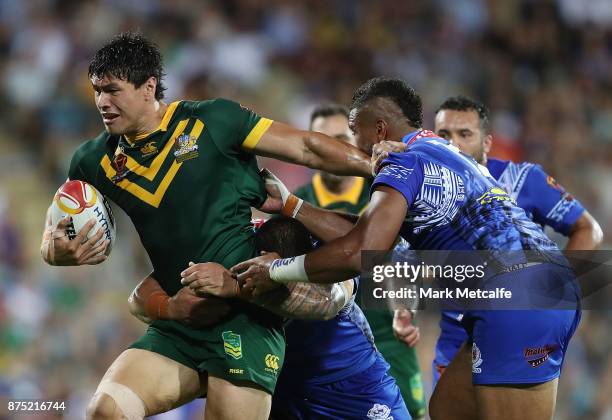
(82,202)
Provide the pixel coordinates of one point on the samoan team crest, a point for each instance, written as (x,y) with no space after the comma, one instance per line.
(185,147)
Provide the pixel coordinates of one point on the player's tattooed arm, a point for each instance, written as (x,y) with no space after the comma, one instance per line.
(314,150)
(307,300)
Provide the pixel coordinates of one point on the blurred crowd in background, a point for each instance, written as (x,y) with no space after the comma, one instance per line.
(543,67)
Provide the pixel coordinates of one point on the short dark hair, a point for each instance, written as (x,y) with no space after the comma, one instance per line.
(328,110)
(397,90)
(132,57)
(463,103)
(285,236)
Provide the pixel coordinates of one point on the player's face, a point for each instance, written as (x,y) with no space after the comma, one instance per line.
(120,103)
(463,129)
(334,126)
(363,127)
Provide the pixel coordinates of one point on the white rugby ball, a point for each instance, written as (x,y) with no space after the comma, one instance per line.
(82,202)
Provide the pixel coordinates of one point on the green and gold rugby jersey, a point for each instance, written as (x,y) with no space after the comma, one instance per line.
(352,201)
(188,187)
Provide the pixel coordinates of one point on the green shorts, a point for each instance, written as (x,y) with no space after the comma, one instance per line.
(402,359)
(242,348)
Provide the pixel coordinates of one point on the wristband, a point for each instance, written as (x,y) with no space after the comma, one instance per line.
(289,270)
(156,305)
(292,206)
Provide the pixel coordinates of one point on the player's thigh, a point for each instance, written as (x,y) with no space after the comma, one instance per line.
(159,382)
(517,402)
(236,401)
(453,397)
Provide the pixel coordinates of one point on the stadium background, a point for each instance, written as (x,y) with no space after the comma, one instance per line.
(543,67)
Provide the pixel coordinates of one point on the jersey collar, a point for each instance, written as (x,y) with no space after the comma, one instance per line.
(163,126)
(418,134)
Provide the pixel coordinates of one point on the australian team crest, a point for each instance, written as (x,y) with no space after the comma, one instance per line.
(185,147)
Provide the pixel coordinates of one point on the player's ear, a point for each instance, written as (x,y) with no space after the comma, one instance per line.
(487,143)
(150,86)
(381,130)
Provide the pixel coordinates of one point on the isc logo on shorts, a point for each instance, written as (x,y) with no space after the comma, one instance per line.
(476,359)
(380,412)
(271,361)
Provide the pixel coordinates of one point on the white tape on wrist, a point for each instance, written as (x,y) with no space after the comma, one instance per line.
(340,295)
(289,270)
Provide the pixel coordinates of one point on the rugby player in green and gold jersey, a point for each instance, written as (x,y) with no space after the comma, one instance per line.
(351,195)
(187,176)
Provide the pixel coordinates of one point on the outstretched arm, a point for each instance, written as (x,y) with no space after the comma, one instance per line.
(377,229)
(315,150)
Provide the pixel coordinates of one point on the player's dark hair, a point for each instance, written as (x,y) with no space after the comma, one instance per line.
(131,57)
(398,91)
(285,236)
(328,110)
(463,103)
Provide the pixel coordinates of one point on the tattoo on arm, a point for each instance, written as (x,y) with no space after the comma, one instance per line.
(303,301)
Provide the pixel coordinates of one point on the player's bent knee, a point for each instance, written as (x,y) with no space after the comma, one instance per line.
(113,401)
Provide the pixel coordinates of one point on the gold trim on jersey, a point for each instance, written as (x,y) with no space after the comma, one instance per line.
(151,171)
(256,133)
(163,126)
(153,199)
(326,197)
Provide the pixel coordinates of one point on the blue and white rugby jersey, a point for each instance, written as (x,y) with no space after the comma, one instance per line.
(454,203)
(542,198)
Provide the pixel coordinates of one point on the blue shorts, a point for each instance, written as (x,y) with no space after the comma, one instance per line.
(517,346)
(370,394)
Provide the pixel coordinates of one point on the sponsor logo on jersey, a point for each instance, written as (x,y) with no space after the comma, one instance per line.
(553,183)
(380,412)
(232,344)
(495,194)
(535,356)
(148,149)
(476,359)
(185,147)
(234,371)
(271,361)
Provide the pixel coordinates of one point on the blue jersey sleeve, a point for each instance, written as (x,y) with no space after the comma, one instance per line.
(402,172)
(548,201)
